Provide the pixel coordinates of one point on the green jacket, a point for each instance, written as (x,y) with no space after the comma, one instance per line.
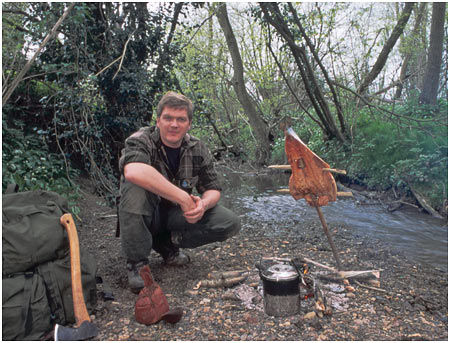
(196,169)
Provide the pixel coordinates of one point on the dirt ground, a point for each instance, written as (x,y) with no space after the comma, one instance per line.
(410,303)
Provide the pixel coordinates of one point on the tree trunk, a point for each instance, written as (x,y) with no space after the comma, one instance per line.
(273,15)
(387,48)
(164,59)
(259,127)
(336,101)
(430,85)
(408,55)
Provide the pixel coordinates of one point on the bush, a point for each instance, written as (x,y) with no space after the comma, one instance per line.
(27,162)
(385,154)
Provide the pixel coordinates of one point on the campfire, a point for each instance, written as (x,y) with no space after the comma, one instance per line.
(321,290)
(282,286)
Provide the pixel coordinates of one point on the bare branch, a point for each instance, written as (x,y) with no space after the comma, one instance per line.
(382,58)
(123,54)
(27,66)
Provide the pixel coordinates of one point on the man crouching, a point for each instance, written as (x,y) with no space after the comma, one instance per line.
(160,167)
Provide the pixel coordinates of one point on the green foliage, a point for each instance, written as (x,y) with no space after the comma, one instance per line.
(278,154)
(27,162)
(98,82)
(385,154)
(103,75)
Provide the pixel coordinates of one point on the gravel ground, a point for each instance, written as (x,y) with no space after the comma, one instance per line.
(410,303)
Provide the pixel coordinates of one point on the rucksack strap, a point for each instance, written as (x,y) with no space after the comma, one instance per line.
(53,294)
(27,318)
(12,188)
(118,222)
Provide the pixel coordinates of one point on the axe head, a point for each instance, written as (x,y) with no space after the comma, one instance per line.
(85,331)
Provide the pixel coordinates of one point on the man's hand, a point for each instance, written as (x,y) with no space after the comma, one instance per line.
(194,215)
(187,204)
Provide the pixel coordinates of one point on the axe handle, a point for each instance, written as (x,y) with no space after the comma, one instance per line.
(79,306)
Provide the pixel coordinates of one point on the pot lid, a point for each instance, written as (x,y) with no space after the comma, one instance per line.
(280,272)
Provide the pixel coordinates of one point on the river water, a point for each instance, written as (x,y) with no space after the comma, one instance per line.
(420,236)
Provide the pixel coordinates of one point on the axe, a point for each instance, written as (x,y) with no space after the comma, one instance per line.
(84,328)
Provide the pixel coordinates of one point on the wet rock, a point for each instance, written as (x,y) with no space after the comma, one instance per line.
(316,324)
(309,315)
(249,318)
(406,306)
(419,307)
(191,293)
(374,283)
(381,300)
(230,295)
(349,288)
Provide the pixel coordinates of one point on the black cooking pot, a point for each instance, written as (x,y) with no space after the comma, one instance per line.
(281,289)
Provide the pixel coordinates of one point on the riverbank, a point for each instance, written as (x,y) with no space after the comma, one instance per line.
(411,302)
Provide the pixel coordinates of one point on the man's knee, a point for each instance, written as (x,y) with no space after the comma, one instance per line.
(225,224)
(235,225)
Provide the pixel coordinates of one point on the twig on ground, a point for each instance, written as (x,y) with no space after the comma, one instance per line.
(108,216)
(370,287)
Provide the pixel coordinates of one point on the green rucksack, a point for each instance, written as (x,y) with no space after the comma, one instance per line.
(36,279)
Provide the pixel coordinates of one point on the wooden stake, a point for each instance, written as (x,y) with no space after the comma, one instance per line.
(280,166)
(336,171)
(339,194)
(288,167)
(330,240)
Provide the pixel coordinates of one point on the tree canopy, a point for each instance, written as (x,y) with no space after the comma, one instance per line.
(80,78)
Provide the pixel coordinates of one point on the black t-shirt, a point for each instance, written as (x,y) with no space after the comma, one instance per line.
(173,156)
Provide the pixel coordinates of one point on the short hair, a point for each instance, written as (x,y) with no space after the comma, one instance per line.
(175,100)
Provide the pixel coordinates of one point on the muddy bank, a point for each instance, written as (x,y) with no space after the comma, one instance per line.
(411,305)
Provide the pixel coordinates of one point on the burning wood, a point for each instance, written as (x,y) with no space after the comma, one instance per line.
(340,274)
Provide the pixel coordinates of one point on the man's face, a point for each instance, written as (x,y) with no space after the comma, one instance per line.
(173,125)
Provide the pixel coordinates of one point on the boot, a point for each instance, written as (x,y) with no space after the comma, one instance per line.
(177,259)
(135,282)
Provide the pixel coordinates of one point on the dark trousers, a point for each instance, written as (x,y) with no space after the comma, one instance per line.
(146,222)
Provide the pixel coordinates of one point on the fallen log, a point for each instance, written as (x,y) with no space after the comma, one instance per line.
(420,198)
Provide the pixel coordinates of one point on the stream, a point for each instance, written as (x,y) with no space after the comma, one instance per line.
(418,235)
